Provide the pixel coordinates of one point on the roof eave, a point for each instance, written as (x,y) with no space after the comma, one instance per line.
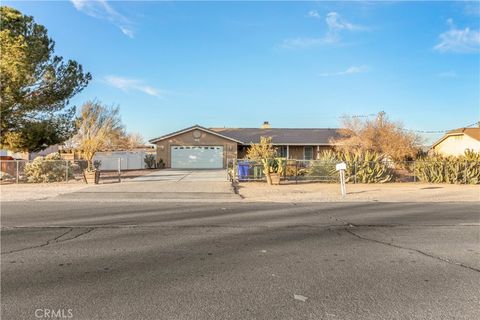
(195,127)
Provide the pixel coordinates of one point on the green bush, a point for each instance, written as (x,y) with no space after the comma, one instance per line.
(51,168)
(439,169)
(149,161)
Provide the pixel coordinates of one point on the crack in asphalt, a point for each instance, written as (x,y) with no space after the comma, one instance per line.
(459,264)
(346,226)
(54,240)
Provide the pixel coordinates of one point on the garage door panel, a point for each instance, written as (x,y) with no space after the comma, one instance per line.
(197,157)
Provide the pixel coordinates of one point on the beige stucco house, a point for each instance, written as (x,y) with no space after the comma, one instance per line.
(200,147)
(456,142)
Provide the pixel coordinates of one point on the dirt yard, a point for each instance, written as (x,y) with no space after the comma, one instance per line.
(391,192)
(39,191)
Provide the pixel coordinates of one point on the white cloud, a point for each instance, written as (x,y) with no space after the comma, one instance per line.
(335,25)
(447,74)
(127,84)
(335,22)
(458,40)
(350,70)
(313,14)
(100,9)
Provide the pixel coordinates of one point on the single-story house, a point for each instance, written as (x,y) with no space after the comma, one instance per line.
(456,142)
(200,147)
(29,155)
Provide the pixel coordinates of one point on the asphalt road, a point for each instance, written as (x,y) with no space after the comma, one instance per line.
(240,260)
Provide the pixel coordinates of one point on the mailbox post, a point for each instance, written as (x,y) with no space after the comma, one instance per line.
(341,167)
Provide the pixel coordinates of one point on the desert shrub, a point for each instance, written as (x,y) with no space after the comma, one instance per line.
(149,161)
(160,164)
(439,169)
(276,165)
(97,164)
(367,167)
(291,169)
(51,168)
(324,167)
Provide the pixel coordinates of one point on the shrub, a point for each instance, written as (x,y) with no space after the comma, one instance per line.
(160,164)
(438,169)
(368,167)
(324,167)
(149,161)
(97,164)
(51,168)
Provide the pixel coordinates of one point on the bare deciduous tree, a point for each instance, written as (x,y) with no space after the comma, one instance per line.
(96,125)
(378,135)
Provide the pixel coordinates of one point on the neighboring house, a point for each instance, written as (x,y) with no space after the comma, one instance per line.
(29,155)
(199,147)
(14,155)
(456,142)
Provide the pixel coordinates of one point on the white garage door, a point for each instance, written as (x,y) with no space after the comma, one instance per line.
(197,157)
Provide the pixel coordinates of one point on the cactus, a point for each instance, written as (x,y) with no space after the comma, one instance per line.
(368,167)
(438,169)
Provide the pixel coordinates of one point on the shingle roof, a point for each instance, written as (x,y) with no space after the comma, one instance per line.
(299,136)
(471,132)
(195,127)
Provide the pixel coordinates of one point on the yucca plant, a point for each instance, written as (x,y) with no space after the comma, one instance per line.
(324,166)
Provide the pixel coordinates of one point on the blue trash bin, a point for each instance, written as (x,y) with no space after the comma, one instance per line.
(243,170)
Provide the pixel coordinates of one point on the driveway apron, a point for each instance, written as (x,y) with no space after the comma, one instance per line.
(167,184)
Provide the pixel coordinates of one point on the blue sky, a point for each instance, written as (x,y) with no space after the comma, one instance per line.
(169,65)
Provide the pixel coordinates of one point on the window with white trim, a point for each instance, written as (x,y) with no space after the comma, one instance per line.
(308,153)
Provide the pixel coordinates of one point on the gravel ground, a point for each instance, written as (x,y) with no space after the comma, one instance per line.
(393,192)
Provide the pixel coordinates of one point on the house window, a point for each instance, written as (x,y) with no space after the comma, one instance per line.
(282,151)
(308,153)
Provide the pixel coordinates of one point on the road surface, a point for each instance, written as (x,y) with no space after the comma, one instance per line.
(167,260)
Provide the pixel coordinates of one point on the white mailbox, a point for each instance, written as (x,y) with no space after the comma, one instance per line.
(341,166)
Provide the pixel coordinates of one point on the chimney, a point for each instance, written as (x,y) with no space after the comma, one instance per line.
(265,125)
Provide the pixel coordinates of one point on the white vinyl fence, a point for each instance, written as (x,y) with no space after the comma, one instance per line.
(128,160)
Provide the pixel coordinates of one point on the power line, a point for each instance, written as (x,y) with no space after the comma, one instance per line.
(438,131)
(359,116)
(409,130)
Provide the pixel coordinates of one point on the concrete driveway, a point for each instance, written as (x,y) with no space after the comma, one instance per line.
(184,175)
(165,185)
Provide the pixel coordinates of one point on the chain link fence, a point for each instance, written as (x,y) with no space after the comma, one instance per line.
(297,171)
(46,171)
